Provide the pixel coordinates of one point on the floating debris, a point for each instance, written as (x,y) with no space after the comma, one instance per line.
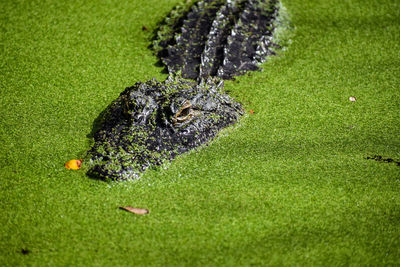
(382,159)
(135,210)
(25,251)
(74,164)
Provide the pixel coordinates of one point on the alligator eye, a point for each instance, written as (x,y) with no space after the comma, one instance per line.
(184,114)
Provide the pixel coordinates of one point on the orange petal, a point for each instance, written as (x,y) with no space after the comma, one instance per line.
(135,210)
(74,164)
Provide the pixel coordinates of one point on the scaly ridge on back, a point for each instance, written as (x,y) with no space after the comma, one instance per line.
(221,39)
(213,54)
(248,44)
(185,56)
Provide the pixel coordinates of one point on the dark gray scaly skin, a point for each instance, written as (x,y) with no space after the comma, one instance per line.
(153,122)
(250,40)
(219,38)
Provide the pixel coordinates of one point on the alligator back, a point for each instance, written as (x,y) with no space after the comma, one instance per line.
(217,38)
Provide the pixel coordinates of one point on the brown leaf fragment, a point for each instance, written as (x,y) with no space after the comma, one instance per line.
(251,111)
(144,28)
(135,210)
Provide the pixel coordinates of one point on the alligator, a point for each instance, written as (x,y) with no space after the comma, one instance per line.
(202,44)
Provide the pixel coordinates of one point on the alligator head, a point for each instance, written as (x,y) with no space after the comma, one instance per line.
(152,122)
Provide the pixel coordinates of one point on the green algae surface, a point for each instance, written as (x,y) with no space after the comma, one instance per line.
(290,185)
